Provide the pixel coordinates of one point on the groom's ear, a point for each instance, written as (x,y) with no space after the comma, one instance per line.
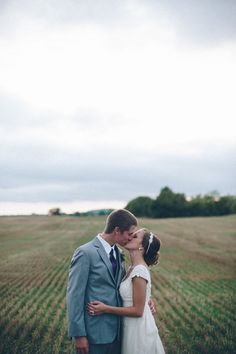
(116,230)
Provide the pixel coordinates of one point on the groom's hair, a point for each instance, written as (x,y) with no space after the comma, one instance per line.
(121,218)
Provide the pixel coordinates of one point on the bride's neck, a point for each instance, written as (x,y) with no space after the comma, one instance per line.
(136,257)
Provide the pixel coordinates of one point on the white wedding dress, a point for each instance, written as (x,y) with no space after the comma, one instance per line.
(139,334)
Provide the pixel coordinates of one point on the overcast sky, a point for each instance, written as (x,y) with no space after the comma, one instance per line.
(104,101)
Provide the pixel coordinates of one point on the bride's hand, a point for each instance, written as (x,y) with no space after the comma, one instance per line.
(96,308)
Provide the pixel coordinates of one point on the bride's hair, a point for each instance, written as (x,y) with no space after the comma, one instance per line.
(151,245)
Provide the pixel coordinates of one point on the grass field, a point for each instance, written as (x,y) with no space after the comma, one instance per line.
(194,284)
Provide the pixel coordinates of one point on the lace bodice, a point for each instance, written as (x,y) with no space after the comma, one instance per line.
(126,288)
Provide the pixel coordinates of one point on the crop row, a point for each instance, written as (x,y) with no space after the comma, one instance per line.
(193,314)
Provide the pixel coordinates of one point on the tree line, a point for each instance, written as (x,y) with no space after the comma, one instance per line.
(99,212)
(169,204)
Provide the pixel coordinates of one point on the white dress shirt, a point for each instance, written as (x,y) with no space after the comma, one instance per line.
(107,247)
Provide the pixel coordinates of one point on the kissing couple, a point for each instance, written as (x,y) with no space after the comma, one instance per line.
(110,311)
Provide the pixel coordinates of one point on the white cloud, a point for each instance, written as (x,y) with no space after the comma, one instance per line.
(148,85)
(121,97)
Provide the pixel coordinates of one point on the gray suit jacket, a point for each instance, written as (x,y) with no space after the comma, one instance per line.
(91,278)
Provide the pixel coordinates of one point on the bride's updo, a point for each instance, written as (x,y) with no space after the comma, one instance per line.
(151,245)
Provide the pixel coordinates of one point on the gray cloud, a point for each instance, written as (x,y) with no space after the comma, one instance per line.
(18,117)
(37,174)
(60,12)
(15,114)
(197,21)
(32,170)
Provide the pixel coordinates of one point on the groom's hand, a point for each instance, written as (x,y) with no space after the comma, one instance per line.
(81,345)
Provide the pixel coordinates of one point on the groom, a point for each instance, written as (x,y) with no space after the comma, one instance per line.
(95,274)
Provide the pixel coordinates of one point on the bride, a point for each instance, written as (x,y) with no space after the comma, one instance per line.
(140,333)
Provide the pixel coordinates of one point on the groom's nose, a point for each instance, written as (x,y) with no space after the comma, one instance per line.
(130,237)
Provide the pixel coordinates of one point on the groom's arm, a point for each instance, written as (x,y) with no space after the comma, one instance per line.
(77,283)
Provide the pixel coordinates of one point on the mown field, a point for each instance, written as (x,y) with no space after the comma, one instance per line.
(194,284)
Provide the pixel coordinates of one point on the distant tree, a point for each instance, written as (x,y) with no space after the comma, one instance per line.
(209,205)
(104,211)
(232,204)
(195,207)
(98,212)
(202,205)
(226,205)
(140,206)
(215,194)
(54,211)
(169,204)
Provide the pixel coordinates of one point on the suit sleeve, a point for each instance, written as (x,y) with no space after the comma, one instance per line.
(77,283)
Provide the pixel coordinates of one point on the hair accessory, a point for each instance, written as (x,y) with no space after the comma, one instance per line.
(150,241)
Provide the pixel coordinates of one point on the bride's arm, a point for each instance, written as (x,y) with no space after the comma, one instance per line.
(139,297)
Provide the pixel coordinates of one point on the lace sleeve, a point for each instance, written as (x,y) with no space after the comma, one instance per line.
(141,271)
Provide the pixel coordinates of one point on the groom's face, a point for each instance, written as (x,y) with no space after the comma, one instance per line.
(124,237)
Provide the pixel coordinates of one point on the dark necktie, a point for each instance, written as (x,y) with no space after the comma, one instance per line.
(113,262)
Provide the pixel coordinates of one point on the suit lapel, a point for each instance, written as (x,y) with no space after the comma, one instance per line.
(104,257)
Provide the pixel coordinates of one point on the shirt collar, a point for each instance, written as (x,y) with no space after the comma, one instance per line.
(106,245)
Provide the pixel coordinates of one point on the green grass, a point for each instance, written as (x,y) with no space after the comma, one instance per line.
(194,284)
